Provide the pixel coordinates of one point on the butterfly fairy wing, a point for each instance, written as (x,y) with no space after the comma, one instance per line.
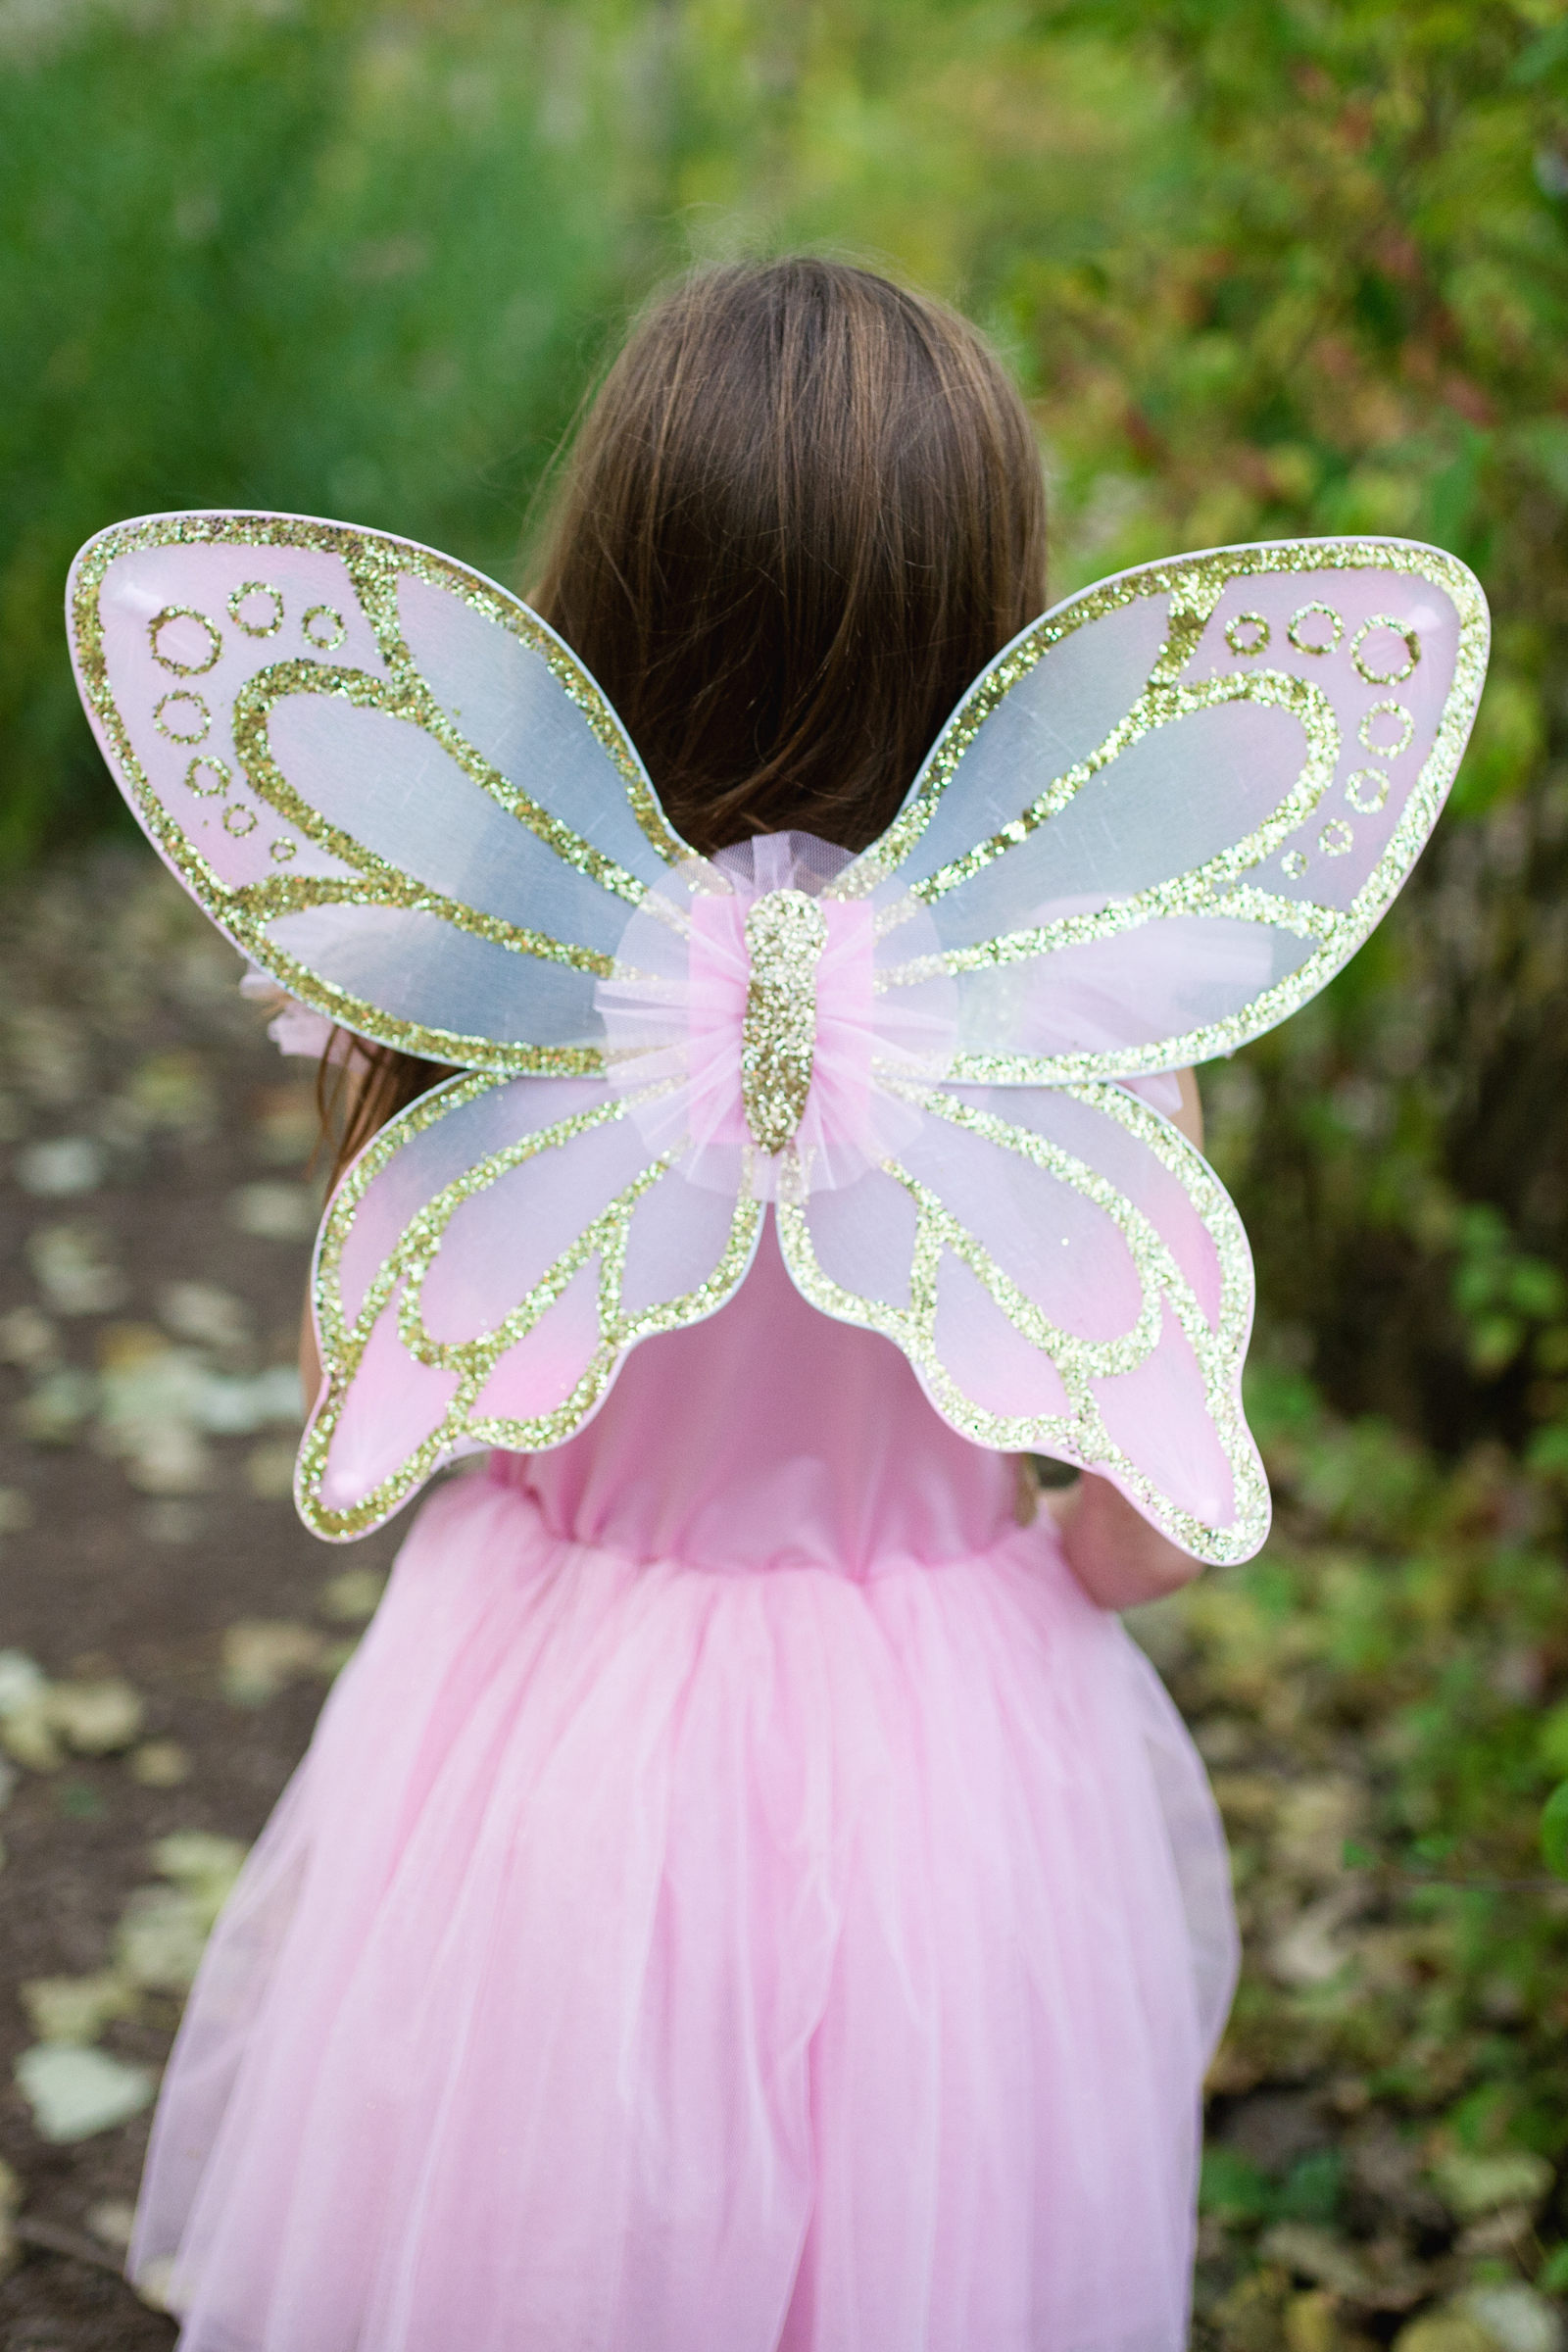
(481,1273)
(1174,807)
(384,776)
(1067,1276)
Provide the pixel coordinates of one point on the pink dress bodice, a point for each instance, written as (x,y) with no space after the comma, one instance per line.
(771,1436)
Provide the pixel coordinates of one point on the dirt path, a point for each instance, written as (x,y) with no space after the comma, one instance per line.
(155,1239)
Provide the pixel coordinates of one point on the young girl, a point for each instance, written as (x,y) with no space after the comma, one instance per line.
(747,1893)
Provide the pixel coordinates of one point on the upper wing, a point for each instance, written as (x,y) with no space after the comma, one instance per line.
(1173,808)
(1066,1274)
(482,1271)
(389,782)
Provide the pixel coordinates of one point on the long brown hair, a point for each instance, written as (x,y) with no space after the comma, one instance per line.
(804,509)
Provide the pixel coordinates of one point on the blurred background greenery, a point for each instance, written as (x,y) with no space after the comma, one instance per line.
(1262,267)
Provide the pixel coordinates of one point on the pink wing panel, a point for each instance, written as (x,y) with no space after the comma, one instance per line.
(482,1272)
(1066,1276)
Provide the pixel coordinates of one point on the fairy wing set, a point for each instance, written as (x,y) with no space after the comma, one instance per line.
(1158,822)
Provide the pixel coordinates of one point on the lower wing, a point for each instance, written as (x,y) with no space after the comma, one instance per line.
(1068,1276)
(482,1271)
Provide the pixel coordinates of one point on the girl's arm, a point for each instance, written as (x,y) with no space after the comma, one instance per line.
(1117,1558)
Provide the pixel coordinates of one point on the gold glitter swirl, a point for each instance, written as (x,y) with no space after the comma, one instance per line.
(786,932)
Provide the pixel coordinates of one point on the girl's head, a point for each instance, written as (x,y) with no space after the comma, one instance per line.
(804,510)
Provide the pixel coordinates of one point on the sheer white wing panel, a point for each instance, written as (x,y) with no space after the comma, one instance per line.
(384,776)
(1067,1276)
(481,1272)
(1172,808)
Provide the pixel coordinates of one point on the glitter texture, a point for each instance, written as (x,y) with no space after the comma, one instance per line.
(785,935)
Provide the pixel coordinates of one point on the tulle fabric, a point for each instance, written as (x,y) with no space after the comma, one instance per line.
(716,1914)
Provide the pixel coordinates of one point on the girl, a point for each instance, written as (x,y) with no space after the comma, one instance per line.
(747,1893)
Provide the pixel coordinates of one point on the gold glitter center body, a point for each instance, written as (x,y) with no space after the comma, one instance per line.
(785,935)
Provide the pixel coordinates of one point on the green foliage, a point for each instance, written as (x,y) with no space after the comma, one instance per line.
(1555,1829)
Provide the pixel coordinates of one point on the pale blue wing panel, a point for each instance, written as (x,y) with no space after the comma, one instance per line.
(384,777)
(1173,807)
(482,1272)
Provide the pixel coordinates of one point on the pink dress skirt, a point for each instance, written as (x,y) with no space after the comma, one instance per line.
(742,1897)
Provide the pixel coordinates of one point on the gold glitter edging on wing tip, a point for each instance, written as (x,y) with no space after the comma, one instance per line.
(1195,585)
(399,1280)
(1219,1348)
(374,562)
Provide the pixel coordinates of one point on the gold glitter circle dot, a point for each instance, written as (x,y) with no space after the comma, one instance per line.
(222,777)
(201,715)
(1367,789)
(283,849)
(242,595)
(1248,621)
(1294,863)
(1309,645)
(238,819)
(1336,838)
(1396,628)
(1394,710)
(184,669)
(325,640)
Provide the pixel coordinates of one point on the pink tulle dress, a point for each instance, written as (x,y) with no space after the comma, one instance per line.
(741,1896)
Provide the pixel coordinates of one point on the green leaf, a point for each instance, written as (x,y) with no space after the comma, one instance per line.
(1555,1829)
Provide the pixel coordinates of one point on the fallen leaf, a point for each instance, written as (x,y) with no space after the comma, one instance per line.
(75,1270)
(75,2009)
(352,1598)
(1473,2185)
(274,1213)
(203,1313)
(17,1513)
(159,1764)
(62,1168)
(96,1718)
(270,1472)
(75,2093)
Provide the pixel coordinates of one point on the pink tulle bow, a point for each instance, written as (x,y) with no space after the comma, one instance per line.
(674,1010)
